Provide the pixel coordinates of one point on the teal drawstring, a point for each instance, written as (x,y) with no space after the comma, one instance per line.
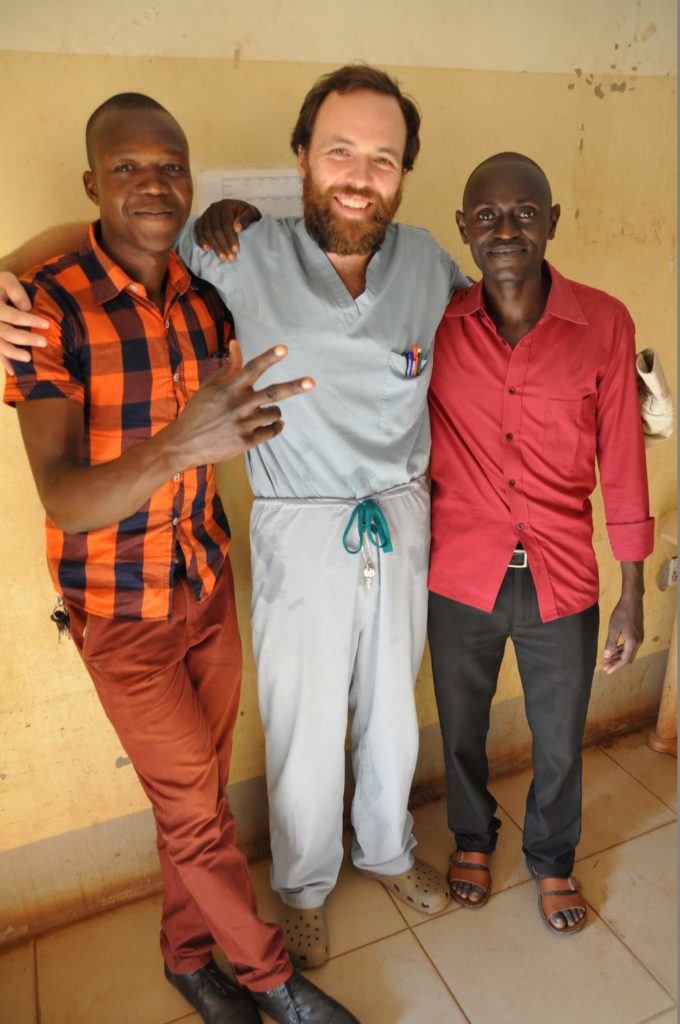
(371,523)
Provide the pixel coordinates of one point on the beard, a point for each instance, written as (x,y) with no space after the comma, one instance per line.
(334,233)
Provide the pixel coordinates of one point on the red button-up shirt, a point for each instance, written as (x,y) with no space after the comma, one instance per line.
(515,434)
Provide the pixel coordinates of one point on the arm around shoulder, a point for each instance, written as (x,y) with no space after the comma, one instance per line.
(44,246)
(16,318)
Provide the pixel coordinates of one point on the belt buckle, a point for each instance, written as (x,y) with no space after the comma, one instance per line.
(525,560)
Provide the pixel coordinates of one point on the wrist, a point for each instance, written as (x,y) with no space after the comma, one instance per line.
(170,450)
(632,579)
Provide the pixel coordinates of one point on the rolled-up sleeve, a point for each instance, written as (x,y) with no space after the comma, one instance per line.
(621,451)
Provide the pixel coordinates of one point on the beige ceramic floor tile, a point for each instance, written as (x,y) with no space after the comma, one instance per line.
(667,1017)
(658,772)
(389,982)
(107,969)
(633,888)
(435,844)
(503,966)
(17,985)
(615,806)
(359,909)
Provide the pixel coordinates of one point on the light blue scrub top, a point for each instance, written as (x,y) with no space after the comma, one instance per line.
(365,427)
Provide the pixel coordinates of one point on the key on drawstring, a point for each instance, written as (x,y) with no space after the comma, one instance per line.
(369,568)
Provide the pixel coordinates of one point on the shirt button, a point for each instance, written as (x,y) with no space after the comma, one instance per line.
(509,437)
(167,325)
(176,477)
(511,483)
(520,526)
(511,390)
(133,287)
(175,377)
(175,520)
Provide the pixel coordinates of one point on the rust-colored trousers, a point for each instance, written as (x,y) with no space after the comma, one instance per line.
(171,690)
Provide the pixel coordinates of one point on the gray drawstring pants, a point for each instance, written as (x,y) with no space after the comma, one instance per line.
(323,643)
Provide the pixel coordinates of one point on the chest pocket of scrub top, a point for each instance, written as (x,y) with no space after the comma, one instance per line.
(403,399)
(569,432)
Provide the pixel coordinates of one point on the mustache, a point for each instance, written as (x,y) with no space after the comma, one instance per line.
(360,193)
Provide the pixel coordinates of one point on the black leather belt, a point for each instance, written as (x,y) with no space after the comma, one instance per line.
(519,559)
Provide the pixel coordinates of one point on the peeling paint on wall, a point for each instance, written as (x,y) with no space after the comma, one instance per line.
(122,761)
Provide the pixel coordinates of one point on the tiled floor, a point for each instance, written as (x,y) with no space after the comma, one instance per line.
(390,965)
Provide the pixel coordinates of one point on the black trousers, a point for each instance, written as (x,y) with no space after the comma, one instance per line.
(556,663)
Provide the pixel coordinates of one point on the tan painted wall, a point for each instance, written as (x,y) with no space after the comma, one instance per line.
(609,152)
(498,35)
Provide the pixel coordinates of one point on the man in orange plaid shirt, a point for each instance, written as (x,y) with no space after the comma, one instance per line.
(143,390)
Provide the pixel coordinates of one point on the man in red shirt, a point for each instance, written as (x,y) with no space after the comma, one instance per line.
(534,378)
(128,377)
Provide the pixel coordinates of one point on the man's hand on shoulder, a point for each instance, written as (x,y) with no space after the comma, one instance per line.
(17,322)
(626,625)
(218,227)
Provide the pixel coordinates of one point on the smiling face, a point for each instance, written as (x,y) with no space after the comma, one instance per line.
(352,171)
(140,180)
(507,219)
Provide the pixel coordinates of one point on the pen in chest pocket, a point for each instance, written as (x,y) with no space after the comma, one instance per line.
(414,361)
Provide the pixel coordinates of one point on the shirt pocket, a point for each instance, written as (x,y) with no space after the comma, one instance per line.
(403,400)
(569,431)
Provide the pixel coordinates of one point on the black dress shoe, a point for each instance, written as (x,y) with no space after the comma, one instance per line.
(298,1001)
(218,999)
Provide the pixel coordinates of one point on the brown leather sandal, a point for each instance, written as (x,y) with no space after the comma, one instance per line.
(473,868)
(555,895)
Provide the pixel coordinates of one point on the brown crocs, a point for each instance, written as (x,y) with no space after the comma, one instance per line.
(422,887)
(306,935)
(473,868)
(555,895)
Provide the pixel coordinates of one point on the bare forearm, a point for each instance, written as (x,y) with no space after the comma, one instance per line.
(224,418)
(632,579)
(52,242)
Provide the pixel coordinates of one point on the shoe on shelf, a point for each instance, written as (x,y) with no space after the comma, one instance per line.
(217,998)
(298,1001)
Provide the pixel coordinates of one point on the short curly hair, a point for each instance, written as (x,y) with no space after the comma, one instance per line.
(352,78)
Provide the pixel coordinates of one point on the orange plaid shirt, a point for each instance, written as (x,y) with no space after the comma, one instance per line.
(133,368)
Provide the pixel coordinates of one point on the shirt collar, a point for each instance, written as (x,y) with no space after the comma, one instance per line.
(561,302)
(108,280)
